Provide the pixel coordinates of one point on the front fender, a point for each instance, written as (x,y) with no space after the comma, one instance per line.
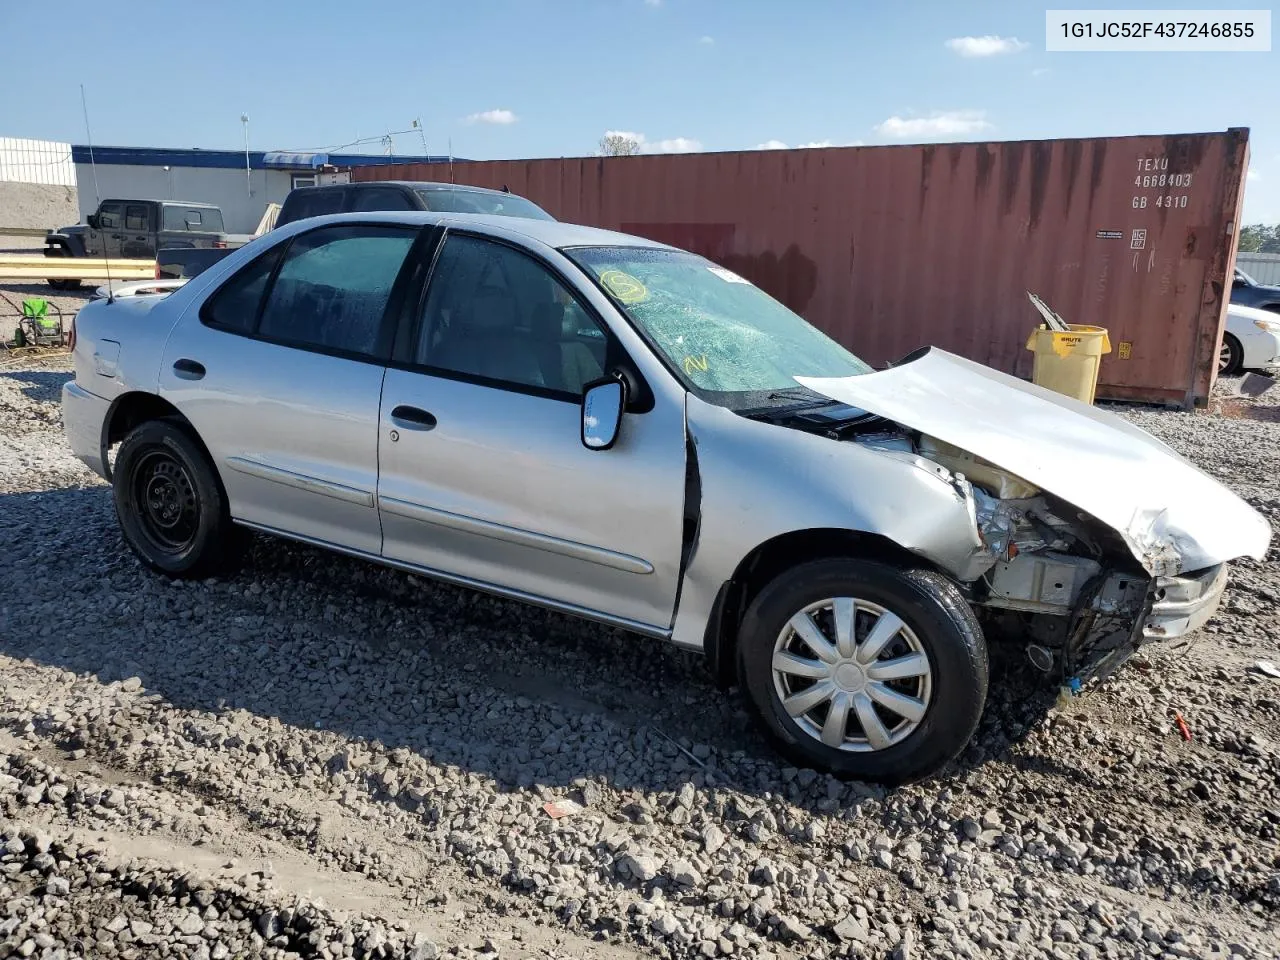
(760,481)
(70,240)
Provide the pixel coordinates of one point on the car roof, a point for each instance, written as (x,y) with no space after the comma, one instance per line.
(167,203)
(553,233)
(411,185)
(433,185)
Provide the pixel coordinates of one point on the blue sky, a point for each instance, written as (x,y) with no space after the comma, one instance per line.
(526,78)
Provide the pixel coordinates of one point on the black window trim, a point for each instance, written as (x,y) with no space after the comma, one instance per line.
(386,332)
(411,324)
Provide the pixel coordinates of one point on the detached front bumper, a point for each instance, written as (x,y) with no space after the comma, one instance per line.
(1184,603)
(83,415)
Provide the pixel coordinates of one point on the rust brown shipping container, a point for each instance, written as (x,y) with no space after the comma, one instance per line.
(896,247)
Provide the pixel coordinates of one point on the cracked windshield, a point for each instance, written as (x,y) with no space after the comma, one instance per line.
(721,332)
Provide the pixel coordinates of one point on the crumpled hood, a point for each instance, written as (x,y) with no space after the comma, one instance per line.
(1173,516)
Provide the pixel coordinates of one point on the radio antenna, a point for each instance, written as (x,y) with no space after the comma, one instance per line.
(97,193)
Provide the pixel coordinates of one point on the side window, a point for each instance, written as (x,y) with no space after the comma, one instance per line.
(333,286)
(313,202)
(367,199)
(185,218)
(234,307)
(111,216)
(495,313)
(135,217)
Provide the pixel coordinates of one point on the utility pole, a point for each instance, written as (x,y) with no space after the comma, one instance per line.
(248,174)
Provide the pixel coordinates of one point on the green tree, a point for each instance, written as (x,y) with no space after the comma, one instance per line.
(1260,238)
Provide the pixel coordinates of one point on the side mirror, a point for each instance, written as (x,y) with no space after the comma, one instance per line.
(602,405)
(93,221)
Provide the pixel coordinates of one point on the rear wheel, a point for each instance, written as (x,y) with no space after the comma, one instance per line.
(170,503)
(864,670)
(1230,356)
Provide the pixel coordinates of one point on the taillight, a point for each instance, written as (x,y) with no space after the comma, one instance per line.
(71,337)
(219,244)
(157,276)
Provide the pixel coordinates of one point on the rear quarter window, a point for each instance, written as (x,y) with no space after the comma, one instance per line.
(310,202)
(196,219)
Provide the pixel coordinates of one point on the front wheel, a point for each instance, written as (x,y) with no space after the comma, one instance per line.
(864,670)
(170,504)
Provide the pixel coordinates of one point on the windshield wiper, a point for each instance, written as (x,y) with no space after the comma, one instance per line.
(799,393)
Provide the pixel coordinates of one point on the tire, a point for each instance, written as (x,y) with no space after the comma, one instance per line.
(170,503)
(935,621)
(1230,356)
(61,284)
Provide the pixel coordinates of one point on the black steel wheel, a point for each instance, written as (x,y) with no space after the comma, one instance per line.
(170,502)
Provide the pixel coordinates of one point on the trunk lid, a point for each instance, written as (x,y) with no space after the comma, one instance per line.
(1173,516)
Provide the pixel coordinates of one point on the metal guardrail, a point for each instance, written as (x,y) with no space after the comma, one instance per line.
(23,231)
(40,267)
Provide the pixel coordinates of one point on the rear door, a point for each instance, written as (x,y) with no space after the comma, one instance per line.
(139,231)
(280,371)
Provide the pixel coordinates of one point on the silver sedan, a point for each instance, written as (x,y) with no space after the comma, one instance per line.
(631,433)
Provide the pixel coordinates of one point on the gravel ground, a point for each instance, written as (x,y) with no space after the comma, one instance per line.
(322,758)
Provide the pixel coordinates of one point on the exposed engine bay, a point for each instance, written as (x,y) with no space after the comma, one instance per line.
(1045,571)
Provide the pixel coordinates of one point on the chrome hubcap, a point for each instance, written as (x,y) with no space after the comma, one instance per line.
(1224,357)
(852,675)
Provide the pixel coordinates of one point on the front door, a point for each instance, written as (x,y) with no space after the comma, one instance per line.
(109,239)
(281,375)
(482,472)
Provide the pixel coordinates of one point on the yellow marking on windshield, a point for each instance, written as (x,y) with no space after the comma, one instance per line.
(692,363)
(624,286)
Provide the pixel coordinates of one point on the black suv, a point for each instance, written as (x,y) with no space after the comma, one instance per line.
(306,202)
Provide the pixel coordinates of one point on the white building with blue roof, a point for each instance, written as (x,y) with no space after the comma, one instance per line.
(241,183)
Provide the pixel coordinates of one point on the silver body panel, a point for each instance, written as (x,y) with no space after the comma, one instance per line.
(294,434)
(501,495)
(503,491)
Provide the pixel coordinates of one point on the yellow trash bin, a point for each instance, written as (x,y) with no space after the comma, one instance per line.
(1068,362)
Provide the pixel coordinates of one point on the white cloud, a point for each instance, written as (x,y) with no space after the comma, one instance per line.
(672,145)
(988,46)
(952,123)
(706,40)
(811,145)
(501,117)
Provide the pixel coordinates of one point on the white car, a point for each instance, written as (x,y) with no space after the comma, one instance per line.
(1250,342)
(136,288)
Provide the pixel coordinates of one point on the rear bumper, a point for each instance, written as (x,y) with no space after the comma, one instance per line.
(1184,603)
(83,415)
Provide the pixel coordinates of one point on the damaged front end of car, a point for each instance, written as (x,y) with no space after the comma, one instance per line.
(1095,537)
(1064,582)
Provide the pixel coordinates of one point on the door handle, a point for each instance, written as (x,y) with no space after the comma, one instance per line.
(117,236)
(413,418)
(188,369)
